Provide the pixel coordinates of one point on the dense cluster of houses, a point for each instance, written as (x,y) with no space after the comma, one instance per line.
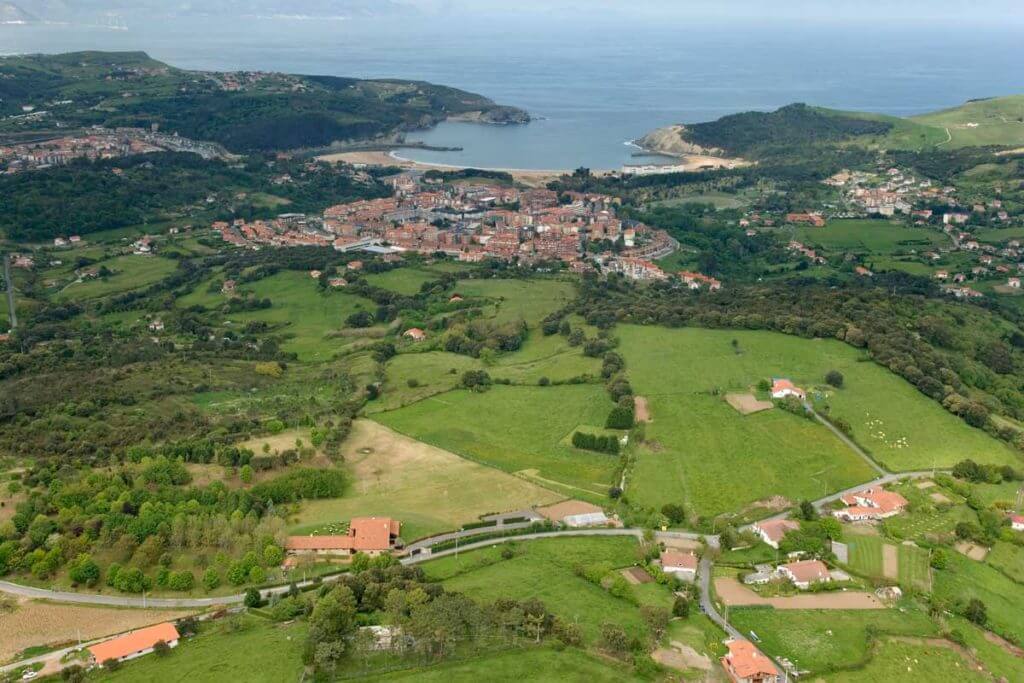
(99,143)
(471,222)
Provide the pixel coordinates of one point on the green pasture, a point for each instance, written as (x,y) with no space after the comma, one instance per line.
(870,236)
(129,272)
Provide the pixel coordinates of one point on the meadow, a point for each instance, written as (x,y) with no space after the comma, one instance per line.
(429,490)
(826,640)
(529,300)
(533,664)
(964,579)
(261,651)
(870,236)
(129,272)
(998,122)
(543,569)
(306,314)
(892,420)
(402,280)
(911,662)
(1009,559)
(516,429)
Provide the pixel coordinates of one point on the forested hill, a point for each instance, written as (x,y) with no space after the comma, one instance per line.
(244,111)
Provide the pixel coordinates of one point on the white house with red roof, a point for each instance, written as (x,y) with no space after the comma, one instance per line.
(771,531)
(1017,522)
(370,535)
(783,388)
(134,644)
(805,572)
(679,564)
(415,333)
(744,663)
(871,503)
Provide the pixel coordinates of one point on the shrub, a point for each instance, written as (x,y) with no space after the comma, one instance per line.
(621,417)
(301,484)
(161,648)
(834,378)
(252,598)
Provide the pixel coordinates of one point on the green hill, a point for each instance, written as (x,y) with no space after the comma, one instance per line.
(244,111)
(995,121)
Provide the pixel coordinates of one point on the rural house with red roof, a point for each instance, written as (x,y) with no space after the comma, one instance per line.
(134,644)
(783,388)
(746,664)
(1017,522)
(871,503)
(773,530)
(679,564)
(369,535)
(805,573)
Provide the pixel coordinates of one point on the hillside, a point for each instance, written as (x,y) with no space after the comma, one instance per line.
(246,111)
(996,121)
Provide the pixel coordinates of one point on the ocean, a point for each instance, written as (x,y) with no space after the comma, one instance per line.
(591,87)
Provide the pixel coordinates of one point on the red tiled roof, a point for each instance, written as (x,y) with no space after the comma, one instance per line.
(674,558)
(365,533)
(134,642)
(746,661)
(775,529)
(808,571)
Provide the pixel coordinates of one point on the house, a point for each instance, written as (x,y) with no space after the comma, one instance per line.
(455,298)
(370,535)
(134,644)
(772,530)
(355,265)
(1017,522)
(228,287)
(337,282)
(783,388)
(315,274)
(415,333)
(59,242)
(585,519)
(862,271)
(805,572)
(812,218)
(871,503)
(1013,282)
(680,565)
(744,663)
(942,275)
(156,326)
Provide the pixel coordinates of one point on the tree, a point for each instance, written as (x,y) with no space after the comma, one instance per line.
(161,648)
(84,570)
(273,556)
(834,378)
(252,598)
(613,639)
(359,319)
(675,513)
(808,511)
(976,612)
(211,579)
(940,560)
(681,607)
(246,474)
(656,618)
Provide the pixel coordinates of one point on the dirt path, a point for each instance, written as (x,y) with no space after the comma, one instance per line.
(890,561)
(640,408)
(733,593)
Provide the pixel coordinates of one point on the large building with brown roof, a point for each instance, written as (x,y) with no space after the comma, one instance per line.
(134,644)
(746,664)
(369,535)
(773,530)
(805,573)
(871,503)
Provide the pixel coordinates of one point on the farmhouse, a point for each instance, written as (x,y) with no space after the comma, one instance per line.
(1017,522)
(680,565)
(772,530)
(782,388)
(812,218)
(805,572)
(370,535)
(575,513)
(871,503)
(134,644)
(415,333)
(746,664)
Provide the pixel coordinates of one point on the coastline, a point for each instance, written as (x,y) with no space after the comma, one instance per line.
(533,177)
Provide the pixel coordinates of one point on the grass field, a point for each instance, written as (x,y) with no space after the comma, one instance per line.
(530,300)
(914,567)
(427,489)
(965,579)
(514,429)
(708,456)
(544,569)
(998,121)
(911,663)
(897,424)
(803,636)
(542,664)
(130,272)
(870,236)
(307,314)
(401,280)
(865,554)
(1009,559)
(261,652)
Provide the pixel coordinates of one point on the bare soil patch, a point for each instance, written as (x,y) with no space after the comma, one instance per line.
(1009,647)
(559,511)
(890,561)
(971,550)
(36,622)
(926,484)
(681,657)
(733,593)
(939,498)
(636,575)
(681,544)
(775,503)
(277,442)
(641,409)
(747,404)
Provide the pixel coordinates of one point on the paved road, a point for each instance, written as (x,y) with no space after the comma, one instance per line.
(468,533)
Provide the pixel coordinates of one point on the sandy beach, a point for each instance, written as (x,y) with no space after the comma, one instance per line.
(533,178)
